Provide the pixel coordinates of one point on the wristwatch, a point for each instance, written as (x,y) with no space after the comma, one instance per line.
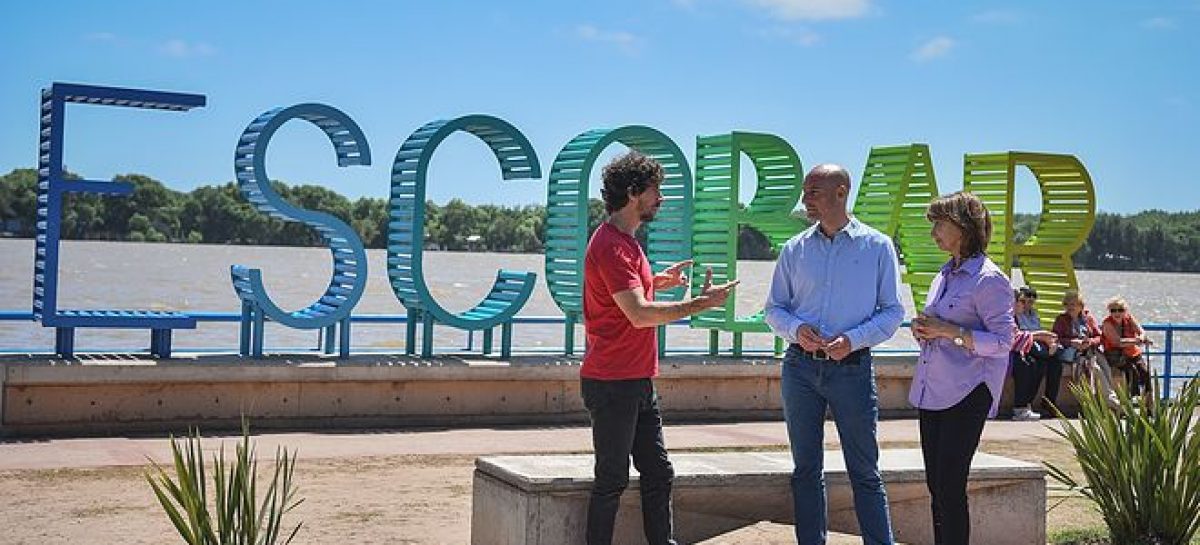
(960,339)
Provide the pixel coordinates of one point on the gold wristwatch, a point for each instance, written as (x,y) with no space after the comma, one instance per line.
(960,340)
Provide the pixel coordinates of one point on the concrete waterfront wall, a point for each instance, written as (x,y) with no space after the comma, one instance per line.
(40,396)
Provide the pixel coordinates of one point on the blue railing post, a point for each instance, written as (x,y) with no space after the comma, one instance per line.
(1167,372)
(250,339)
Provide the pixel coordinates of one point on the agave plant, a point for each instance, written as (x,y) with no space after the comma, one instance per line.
(1142,465)
(236,516)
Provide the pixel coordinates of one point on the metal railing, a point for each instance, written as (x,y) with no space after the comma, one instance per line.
(1165,351)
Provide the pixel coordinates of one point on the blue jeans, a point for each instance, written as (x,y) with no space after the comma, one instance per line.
(848,389)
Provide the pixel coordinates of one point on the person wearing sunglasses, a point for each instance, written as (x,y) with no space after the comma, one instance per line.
(1032,358)
(1123,338)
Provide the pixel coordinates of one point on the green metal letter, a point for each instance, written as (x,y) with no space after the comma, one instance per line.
(896,188)
(718,217)
(1068,214)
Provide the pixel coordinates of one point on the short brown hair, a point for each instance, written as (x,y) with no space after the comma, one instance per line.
(630,173)
(969,214)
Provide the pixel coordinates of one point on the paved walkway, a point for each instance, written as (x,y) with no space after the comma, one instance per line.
(23,454)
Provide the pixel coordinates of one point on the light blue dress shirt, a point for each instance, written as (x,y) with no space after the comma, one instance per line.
(846,284)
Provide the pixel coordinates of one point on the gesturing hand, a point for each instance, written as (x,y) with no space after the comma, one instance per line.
(714,296)
(672,276)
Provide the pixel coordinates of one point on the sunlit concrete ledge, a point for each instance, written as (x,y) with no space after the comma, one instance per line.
(542,499)
(107,394)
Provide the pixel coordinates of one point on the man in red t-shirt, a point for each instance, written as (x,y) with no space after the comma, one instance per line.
(620,317)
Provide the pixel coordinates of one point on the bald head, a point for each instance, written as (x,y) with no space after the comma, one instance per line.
(826,191)
(829,175)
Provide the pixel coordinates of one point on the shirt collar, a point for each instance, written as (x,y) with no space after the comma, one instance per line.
(852,229)
(971,266)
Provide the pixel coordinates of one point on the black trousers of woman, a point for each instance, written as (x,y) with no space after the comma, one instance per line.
(1028,372)
(1136,371)
(948,441)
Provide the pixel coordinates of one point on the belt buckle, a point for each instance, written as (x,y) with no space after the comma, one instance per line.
(820,354)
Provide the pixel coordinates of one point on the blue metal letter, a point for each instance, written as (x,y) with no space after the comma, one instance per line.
(349,278)
(51,187)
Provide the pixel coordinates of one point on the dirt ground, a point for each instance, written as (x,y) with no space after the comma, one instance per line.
(412,499)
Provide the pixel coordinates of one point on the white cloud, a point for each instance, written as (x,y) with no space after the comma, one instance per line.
(813,10)
(933,49)
(182,49)
(997,17)
(1158,23)
(625,41)
(799,36)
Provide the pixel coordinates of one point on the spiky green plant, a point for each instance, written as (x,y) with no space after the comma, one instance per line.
(236,516)
(1142,464)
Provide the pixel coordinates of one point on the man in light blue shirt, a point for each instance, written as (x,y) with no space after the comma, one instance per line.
(835,294)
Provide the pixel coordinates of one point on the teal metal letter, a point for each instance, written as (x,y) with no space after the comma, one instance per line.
(670,234)
(406,232)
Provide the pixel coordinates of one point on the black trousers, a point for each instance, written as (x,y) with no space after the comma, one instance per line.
(948,441)
(1137,373)
(626,422)
(1028,372)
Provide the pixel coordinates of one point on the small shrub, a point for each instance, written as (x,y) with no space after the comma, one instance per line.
(236,516)
(1142,465)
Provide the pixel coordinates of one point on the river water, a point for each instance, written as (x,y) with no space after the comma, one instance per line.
(195,277)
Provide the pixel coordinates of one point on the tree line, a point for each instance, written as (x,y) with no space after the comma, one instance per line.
(217,214)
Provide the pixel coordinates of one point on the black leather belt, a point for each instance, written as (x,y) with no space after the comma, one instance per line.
(820,355)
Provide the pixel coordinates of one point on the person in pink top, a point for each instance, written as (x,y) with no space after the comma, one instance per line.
(966,332)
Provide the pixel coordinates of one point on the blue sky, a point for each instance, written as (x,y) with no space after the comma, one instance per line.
(1115,83)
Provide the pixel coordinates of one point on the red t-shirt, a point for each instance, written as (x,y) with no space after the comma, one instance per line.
(615,349)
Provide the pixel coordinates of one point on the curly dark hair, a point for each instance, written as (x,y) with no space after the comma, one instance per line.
(969,214)
(628,174)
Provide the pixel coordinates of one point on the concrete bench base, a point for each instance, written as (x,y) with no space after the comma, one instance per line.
(542,500)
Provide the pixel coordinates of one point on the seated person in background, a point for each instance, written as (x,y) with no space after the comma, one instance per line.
(1079,339)
(1032,357)
(1123,338)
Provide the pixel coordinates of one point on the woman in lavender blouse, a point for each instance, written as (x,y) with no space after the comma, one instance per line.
(965,333)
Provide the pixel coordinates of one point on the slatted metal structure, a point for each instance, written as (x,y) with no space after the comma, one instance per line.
(53,185)
(669,235)
(1068,214)
(331,311)
(779,178)
(897,186)
(406,233)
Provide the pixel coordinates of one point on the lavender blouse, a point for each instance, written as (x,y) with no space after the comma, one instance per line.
(977,297)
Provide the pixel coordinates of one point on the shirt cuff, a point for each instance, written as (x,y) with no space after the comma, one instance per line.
(989,344)
(792,325)
(855,338)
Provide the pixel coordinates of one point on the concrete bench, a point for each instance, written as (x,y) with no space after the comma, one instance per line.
(542,500)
